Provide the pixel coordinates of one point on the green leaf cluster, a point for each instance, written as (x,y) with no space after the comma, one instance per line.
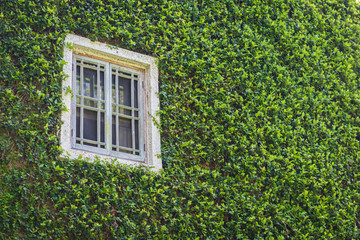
(259,121)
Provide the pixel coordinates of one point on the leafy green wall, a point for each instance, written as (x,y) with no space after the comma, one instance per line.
(259,121)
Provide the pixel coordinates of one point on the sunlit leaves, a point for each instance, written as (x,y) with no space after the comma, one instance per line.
(259,121)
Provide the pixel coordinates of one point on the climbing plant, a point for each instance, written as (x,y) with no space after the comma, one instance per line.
(259,121)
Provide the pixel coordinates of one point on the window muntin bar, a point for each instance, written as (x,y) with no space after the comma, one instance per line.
(125,116)
(123,107)
(90,142)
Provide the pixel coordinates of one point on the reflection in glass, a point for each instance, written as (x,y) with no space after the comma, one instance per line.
(77,122)
(136,134)
(77,88)
(102,90)
(124,91)
(90,125)
(136,103)
(90,82)
(123,132)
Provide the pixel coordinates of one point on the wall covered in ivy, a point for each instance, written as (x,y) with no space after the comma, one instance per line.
(260,107)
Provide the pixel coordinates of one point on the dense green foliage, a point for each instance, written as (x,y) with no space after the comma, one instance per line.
(259,121)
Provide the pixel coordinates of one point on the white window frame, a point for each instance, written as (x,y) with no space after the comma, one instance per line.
(143,65)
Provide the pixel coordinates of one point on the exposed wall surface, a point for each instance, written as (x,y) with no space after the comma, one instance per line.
(259,122)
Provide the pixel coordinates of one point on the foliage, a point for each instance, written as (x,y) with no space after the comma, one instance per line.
(259,122)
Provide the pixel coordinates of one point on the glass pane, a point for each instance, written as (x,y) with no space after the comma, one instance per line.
(136,134)
(113,89)
(90,82)
(124,91)
(136,102)
(90,144)
(77,88)
(136,114)
(102,128)
(124,151)
(90,125)
(77,127)
(113,130)
(125,111)
(126,74)
(125,138)
(90,103)
(91,64)
(102,93)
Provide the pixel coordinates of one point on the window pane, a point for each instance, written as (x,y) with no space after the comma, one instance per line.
(90,144)
(102,93)
(124,111)
(77,122)
(91,103)
(136,103)
(102,128)
(90,125)
(113,90)
(124,132)
(124,91)
(125,138)
(77,89)
(136,134)
(91,64)
(90,82)
(113,130)
(126,74)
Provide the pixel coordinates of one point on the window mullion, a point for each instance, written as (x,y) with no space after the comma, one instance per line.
(107,92)
(81,103)
(116,107)
(141,98)
(98,105)
(132,114)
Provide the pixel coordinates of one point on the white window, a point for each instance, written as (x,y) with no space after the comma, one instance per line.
(112,105)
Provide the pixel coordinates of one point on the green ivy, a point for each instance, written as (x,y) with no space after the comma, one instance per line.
(259,114)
